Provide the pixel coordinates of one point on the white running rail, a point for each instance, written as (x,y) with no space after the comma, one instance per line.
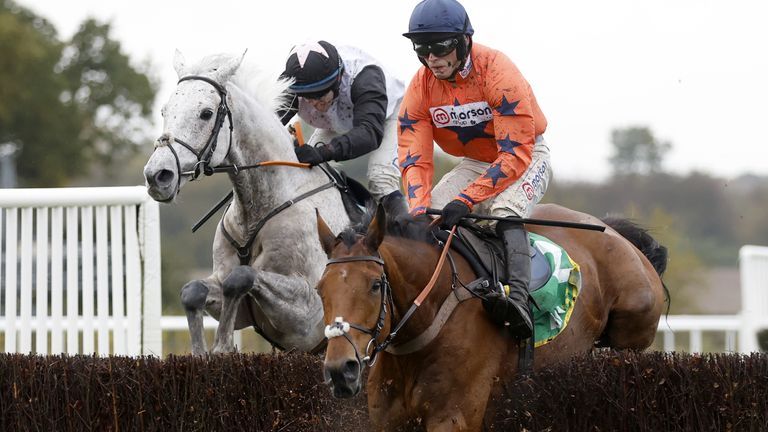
(740,330)
(80,271)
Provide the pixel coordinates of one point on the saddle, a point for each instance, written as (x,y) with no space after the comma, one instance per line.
(484,252)
(354,195)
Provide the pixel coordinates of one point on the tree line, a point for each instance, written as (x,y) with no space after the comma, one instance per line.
(68,105)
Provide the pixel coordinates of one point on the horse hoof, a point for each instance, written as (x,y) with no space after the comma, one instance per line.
(225,349)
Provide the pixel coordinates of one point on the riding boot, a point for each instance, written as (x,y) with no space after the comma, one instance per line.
(513,308)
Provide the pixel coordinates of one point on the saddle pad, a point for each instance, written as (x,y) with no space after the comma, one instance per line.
(558,296)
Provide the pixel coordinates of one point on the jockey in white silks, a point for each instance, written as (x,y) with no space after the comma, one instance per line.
(352,102)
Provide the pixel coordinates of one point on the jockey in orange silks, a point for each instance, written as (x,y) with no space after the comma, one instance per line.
(474,103)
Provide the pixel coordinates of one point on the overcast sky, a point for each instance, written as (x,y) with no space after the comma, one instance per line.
(694,71)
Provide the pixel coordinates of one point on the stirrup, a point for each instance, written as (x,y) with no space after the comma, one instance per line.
(521,328)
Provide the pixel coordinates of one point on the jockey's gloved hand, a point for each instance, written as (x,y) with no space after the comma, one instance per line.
(452,214)
(313,155)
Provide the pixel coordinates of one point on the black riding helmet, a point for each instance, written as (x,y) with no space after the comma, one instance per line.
(316,68)
(439,20)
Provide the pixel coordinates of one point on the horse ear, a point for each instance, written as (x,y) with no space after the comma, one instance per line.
(377,228)
(327,239)
(225,71)
(178,63)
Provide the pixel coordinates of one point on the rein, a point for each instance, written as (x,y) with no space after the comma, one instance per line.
(341,327)
(203,166)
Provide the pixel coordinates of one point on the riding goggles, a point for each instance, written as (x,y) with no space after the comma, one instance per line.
(437,48)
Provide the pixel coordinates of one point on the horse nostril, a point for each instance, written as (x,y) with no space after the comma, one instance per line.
(351,369)
(164,177)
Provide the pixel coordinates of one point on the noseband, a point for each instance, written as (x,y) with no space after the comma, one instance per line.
(203,165)
(341,327)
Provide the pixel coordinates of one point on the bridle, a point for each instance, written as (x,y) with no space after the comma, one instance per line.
(341,327)
(203,165)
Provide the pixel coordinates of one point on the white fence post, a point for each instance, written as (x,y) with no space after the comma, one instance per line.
(151,329)
(71,271)
(11,244)
(753,270)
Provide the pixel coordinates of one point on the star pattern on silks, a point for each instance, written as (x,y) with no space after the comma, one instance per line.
(494,173)
(507,108)
(406,123)
(412,190)
(302,51)
(507,145)
(409,160)
(468,133)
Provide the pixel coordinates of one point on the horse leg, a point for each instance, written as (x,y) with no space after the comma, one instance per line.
(462,411)
(234,287)
(386,404)
(449,423)
(193,297)
(292,308)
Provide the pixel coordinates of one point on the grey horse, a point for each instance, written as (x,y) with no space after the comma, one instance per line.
(266,256)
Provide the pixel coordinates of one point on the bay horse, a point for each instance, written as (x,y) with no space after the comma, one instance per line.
(375,273)
(266,258)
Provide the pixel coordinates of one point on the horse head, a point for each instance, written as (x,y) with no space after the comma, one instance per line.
(356,298)
(193,130)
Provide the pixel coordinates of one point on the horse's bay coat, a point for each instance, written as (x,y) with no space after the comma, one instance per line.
(450,384)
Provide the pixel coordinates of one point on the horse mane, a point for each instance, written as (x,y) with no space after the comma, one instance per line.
(399,222)
(267,87)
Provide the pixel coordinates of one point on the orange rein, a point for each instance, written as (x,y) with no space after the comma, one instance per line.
(286,163)
(423,294)
(295,130)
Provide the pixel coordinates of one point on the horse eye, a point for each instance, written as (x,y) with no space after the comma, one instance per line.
(376,285)
(206,114)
